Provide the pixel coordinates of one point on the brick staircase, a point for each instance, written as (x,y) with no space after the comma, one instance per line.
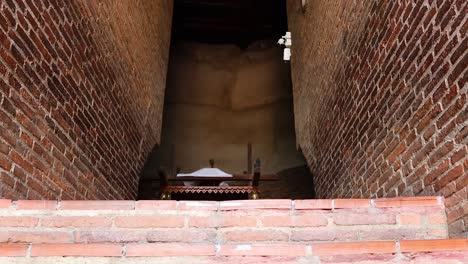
(396,230)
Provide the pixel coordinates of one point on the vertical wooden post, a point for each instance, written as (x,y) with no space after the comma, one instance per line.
(256,179)
(163,183)
(173,157)
(249,158)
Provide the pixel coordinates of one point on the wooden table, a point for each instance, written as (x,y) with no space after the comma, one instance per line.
(235,177)
(210,185)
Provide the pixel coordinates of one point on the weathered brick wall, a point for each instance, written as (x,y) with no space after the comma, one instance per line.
(395,230)
(81,94)
(380,98)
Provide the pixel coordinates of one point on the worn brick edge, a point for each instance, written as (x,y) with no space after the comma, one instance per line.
(182,249)
(283,204)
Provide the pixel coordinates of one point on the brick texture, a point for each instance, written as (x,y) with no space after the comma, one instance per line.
(236,222)
(380,99)
(81,94)
(257,232)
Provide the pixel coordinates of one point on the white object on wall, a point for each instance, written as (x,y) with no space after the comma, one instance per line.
(304,5)
(287,54)
(287,42)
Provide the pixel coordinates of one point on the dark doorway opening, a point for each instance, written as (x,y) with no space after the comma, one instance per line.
(238,22)
(228,87)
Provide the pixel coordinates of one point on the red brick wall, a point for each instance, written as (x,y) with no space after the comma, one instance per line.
(81,95)
(300,231)
(380,98)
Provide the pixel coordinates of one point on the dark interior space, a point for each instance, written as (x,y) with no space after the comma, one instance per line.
(227,87)
(238,22)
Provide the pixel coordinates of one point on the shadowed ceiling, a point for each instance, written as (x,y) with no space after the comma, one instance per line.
(229,21)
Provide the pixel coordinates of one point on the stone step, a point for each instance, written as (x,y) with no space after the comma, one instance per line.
(275,231)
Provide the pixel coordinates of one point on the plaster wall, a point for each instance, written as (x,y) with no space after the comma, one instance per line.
(220,98)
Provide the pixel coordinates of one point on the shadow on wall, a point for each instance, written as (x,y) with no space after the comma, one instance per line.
(218,99)
(148,187)
(293,183)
